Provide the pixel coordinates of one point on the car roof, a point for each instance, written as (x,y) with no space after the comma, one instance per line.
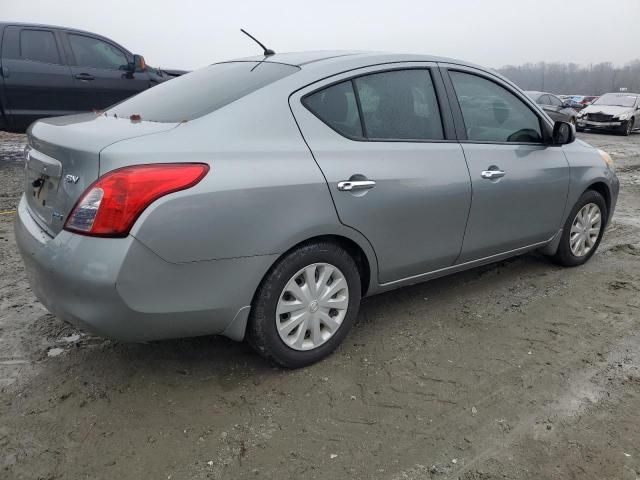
(300,59)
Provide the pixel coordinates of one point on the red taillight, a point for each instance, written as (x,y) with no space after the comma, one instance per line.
(110,206)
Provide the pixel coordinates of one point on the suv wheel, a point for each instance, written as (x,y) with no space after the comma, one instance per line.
(582,231)
(305,305)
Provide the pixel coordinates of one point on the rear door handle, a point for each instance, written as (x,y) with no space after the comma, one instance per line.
(84,76)
(493,174)
(353,185)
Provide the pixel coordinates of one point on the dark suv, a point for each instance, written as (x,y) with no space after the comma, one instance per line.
(48,71)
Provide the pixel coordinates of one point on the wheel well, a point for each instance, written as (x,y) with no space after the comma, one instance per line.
(603,190)
(352,249)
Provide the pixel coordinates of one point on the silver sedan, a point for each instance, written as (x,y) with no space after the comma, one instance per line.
(262,198)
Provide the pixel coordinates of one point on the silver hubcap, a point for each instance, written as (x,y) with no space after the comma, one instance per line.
(312,306)
(585,229)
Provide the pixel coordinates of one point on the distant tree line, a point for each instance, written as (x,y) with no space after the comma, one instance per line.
(571,78)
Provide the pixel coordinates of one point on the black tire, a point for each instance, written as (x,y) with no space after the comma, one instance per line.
(564,256)
(628,127)
(262,333)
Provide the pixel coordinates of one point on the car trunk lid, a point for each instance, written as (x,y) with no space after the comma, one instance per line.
(63,158)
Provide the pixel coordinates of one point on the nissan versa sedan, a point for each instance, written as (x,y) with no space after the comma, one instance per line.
(263,198)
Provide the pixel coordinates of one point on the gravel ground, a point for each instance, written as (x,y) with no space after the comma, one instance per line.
(518,370)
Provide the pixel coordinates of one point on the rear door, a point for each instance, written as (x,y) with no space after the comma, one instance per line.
(520,184)
(37,81)
(99,69)
(383,137)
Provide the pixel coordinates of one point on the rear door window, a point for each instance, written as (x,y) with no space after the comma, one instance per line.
(39,45)
(393,105)
(399,105)
(491,113)
(94,53)
(201,92)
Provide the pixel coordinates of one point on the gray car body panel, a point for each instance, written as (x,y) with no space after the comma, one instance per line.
(195,258)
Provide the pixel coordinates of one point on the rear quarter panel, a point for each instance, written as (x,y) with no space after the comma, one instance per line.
(263,194)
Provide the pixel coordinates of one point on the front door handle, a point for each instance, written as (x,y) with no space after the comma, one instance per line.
(493,173)
(84,76)
(353,185)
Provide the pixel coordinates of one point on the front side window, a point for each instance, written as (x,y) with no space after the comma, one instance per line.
(555,101)
(39,45)
(94,53)
(395,105)
(493,114)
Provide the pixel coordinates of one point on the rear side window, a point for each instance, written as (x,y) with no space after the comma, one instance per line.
(201,92)
(39,45)
(395,105)
(493,114)
(94,53)
(336,106)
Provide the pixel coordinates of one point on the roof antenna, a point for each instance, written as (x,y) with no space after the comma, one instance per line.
(267,51)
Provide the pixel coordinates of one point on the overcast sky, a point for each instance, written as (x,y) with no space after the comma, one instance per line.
(192,33)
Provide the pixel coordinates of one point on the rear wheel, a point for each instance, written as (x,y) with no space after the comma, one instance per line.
(305,306)
(582,231)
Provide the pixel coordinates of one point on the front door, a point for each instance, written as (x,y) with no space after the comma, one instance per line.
(520,185)
(384,141)
(100,73)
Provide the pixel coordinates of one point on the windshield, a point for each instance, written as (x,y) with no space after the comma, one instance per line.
(616,99)
(201,92)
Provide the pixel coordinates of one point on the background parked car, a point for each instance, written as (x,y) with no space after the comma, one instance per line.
(554,107)
(612,111)
(48,71)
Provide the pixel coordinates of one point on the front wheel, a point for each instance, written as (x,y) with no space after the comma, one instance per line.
(583,230)
(628,128)
(305,306)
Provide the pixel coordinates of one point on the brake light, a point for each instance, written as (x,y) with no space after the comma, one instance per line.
(112,204)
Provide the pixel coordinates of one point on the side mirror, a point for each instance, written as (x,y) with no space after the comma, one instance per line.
(563,133)
(139,63)
(566,105)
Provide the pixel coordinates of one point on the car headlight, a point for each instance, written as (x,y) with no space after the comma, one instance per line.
(607,159)
(623,116)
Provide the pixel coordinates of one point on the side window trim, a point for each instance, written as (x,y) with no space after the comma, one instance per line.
(61,56)
(457,110)
(442,101)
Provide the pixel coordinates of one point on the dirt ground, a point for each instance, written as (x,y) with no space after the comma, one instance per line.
(518,370)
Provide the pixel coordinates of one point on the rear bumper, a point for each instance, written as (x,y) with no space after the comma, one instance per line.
(120,289)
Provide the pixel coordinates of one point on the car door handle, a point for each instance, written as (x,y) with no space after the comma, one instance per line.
(84,76)
(353,185)
(493,174)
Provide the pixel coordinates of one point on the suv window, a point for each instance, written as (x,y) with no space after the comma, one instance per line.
(336,106)
(493,114)
(94,53)
(201,92)
(39,45)
(400,104)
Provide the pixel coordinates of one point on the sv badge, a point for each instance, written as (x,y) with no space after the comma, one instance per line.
(71,178)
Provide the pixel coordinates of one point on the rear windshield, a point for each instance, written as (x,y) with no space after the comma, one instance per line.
(203,91)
